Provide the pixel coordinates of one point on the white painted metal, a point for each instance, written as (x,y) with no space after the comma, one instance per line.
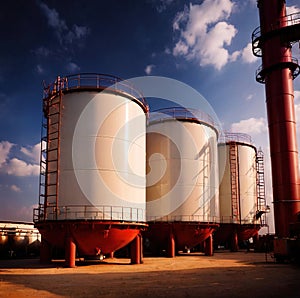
(246,184)
(102,157)
(182,172)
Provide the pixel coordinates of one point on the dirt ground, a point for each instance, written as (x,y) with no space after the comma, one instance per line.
(225,274)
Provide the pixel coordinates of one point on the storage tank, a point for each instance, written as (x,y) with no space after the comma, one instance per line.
(18,239)
(241,204)
(92,193)
(182,179)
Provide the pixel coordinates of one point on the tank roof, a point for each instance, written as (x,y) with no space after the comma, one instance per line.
(182,114)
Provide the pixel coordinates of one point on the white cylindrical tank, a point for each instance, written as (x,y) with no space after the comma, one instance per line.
(182,167)
(238,187)
(98,171)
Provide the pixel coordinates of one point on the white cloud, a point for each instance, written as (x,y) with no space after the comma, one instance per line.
(33,152)
(297,96)
(17,167)
(72,67)
(292,9)
(5,147)
(64,34)
(204,33)
(251,126)
(149,69)
(247,55)
(15,188)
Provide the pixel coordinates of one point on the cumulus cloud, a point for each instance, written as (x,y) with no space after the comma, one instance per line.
(33,152)
(65,35)
(247,55)
(204,33)
(149,69)
(5,147)
(251,126)
(18,167)
(292,9)
(15,166)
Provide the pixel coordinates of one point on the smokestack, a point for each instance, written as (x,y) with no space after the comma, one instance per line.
(273,44)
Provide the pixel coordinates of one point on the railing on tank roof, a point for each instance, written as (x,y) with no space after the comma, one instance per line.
(235,137)
(180,113)
(87,212)
(93,80)
(184,218)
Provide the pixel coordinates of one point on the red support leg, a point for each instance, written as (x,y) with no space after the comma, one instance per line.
(209,248)
(234,241)
(135,250)
(70,252)
(171,245)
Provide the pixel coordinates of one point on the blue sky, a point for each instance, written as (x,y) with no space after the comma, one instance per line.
(205,44)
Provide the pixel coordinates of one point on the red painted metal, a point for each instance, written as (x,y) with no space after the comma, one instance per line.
(136,250)
(90,237)
(209,248)
(177,236)
(277,72)
(70,252)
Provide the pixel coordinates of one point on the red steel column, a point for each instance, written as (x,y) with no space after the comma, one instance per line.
(135,250)
(171,244)
(234,240)
(70,252)
(281,117)
(209,248)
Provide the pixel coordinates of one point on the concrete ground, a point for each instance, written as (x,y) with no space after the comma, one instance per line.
(225,274)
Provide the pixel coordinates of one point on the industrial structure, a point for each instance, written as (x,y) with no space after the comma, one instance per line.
(242,191)
(273,42)
(19,239)
(182,180)
(92,181)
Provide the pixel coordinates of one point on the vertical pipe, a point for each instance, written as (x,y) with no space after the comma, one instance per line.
(209,249)
(70,252)
(281,118)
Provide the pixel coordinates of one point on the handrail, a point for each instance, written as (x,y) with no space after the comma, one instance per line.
(285,21)
(180,113)
(93,80)
(88,212)
(184,218)
(235,137)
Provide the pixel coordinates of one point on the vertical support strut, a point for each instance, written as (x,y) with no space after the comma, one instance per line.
(136,250)
(209,248)
(171,244)
(70,252)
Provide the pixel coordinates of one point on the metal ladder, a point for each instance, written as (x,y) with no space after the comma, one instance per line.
(50,150)
(261,199)
(234,181)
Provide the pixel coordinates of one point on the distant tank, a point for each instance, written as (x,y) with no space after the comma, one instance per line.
(242,201)
(182,180)
(92,193)
(18,239)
